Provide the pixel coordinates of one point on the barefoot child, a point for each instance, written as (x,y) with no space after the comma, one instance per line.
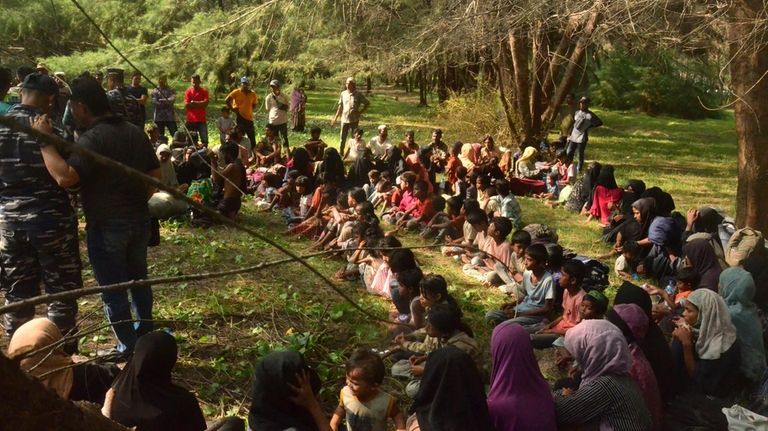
(571,275)
(362,403)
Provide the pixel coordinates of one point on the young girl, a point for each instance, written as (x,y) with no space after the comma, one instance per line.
(607,194)
(433,290)
(403,200)
(319,212)
(553,189)
(496,249)
(382,194)
(445,224)
(305,196)
(452,167)
(382,278)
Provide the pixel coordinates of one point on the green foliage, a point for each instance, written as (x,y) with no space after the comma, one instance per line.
(473,114)
(666,84)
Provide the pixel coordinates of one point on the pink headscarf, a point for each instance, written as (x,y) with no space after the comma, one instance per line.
(519,398)
(599,348)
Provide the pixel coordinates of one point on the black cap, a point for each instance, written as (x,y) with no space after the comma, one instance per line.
(40,82)
(114,71)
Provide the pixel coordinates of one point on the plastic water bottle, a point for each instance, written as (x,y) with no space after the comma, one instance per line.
(671,289)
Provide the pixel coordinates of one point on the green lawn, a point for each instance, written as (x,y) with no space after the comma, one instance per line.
(224,325)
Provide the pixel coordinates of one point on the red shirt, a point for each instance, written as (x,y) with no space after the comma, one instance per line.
(423,208)
(195,115)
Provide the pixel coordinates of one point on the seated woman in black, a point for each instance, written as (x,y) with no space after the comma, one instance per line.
(708,360)
(143,395)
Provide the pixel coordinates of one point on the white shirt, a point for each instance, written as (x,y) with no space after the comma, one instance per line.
(276,116)
(378,148)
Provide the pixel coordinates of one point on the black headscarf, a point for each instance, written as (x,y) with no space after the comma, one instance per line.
(332,166)
(702,257)
(395,163)
(451,396)
(632,192)
(708,221)
(358,172)
(757,265)
(146,398)
(271,407)
(606,178)
(301,161)
(654,346)
(664,202)
(589,182)
(647,209)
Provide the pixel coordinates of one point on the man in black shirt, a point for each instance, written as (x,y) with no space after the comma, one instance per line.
(38,227)
(115,206)
(139,92)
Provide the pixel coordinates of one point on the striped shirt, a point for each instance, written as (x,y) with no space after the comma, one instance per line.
(614,401)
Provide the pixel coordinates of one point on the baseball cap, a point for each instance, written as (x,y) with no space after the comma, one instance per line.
(274,83)
(40,82)
(244,80)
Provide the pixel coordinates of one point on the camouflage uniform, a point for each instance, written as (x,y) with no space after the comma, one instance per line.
(38,229)
(122,103)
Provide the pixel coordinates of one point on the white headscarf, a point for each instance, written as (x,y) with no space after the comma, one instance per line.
(716,331)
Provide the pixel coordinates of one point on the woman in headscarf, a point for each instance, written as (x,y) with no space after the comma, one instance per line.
(654,344)
(395,162)
(451,396)
(700,255)
(633,323)
(332,167)
(665,204)
(704,224)
(581,196)
(526,164)
(738,290)
(705,345)
(623,224)
(143,396)
(606,195)
(519,398)
(284,395)
(54,368)
(660,240)
(358,172)
(607,395)
(297,108)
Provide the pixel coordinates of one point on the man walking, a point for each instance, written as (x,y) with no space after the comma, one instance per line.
(351,105)
(115,206)
(277,107)
(242,102)
(38,228)
(195,102)
(583,120)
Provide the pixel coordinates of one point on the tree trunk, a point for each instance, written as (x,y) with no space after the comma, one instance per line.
(519,50)
(29,406)
(423,86)
(368,85)
(750,86)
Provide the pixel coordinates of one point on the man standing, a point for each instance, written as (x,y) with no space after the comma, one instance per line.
(583,120)
(277,107)
(350,106)
(121,100)
(195,101)
(115,206)
(37,223)
(163,97)
(140,93)
(242,102)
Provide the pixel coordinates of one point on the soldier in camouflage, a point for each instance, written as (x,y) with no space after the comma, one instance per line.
(38,227)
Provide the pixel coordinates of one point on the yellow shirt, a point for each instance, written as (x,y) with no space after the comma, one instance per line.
(244,102)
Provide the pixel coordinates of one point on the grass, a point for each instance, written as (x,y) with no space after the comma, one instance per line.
(225,325)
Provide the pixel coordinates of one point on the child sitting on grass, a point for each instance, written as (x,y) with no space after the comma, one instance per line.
(571,275)
(513,275)
(368,232)
(404,284)
(370,187)
(479,221)
(468,233)
(383,191)
(362,404)
(402,199)
(420,211)
(538,289)
(443,328)
(504,203)
(553,189)
(433,290)
(378,265)
(593,305)
(626,263)
(686,281)
(314,145)
(444,224)
(495,250)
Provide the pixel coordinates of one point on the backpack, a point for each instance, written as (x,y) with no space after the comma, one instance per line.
(125,105)
(742,244)
(596,275)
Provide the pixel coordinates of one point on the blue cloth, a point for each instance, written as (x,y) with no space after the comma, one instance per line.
(4,107)
(738,290)
(665,232)
(118,253)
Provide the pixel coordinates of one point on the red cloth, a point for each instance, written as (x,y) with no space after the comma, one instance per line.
(526,186)
(195,115)
(450,169)
(423,208)
(601,198)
